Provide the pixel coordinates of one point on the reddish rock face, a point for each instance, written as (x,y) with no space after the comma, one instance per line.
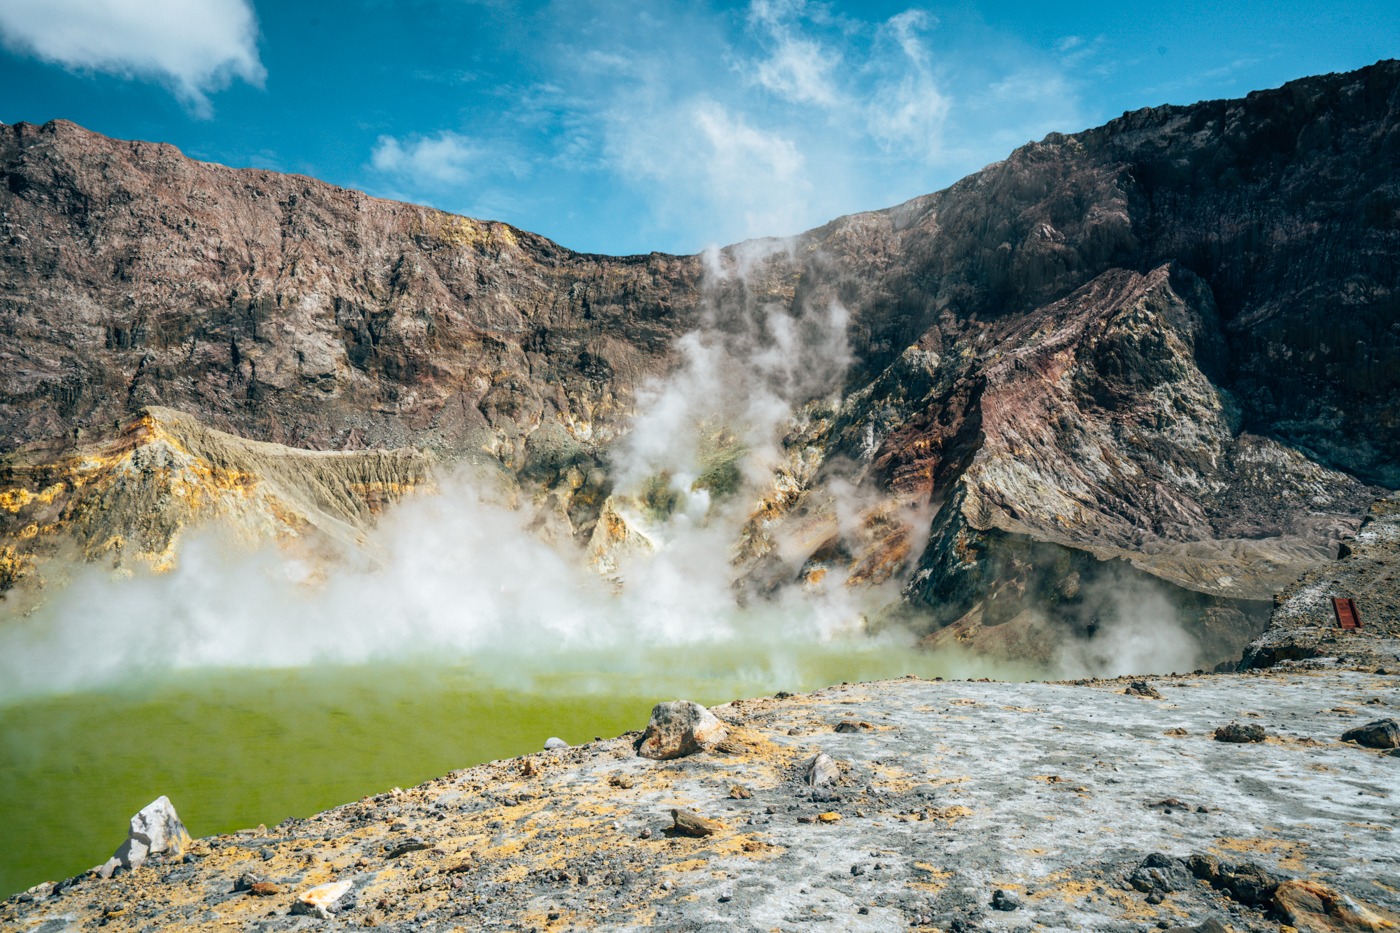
(1165,349)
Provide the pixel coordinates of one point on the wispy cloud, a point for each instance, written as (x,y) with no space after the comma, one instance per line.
(727,125)
(195,47)
(446,159)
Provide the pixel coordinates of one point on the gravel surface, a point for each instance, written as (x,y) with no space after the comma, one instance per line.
(1086,806)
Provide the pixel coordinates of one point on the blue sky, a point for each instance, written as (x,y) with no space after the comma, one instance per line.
(623,127)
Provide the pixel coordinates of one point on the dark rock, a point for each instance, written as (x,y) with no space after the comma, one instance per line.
(1240,733)
(1141,688)
(1160,872)
(408,845)
(1249,884)
(1383,733)
(1210,926)
(1005,900)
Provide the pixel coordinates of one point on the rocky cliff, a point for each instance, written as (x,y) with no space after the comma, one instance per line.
(1158,358)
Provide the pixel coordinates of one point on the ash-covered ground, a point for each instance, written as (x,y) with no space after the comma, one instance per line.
(1086,805)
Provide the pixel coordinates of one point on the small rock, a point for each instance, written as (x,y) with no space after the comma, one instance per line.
(1176,732)
(851,725)
(1141,688)
(324,900)
(740,792)
(1005,900)
(264,888)
(1210,926)
(1235,732)
(820,770)
(154,830)
(829,817)
(1158,873)
(679,728)
(1383,733)
(412,844)
(1246,883)
(689,823)
(554,742)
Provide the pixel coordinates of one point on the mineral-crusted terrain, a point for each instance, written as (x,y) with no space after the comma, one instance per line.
(1161,356)
(947,806)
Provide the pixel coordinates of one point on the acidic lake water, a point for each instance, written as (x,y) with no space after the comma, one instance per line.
(233,748)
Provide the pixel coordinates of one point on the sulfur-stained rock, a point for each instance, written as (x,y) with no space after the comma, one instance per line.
(323,901)
(155,830)
(690,823)
(1310,907)
(678,728)
(1383,733)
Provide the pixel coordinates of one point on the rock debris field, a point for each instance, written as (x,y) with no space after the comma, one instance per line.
(940,805)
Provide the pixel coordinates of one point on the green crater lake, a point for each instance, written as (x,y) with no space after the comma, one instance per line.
(233,748)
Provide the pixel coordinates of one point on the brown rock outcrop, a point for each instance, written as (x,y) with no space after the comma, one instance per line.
(1166,350)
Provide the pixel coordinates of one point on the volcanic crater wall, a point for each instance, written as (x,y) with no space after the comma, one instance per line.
(1168,347)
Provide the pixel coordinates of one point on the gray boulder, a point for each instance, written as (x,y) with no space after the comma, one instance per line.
(554,742)
(679,728)
(153,831)
(820,770)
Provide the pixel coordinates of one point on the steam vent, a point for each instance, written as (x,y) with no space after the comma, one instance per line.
(1048,525)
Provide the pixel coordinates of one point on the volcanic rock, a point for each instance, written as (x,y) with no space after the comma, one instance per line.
(820,770)
(678,728)
(1102,369)
(323,901)
(1383,733)
(1240,733)
(155,830)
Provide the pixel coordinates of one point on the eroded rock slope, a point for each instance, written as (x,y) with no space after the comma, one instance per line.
(1162,354)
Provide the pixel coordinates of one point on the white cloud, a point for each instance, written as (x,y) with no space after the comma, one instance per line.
(712,125)
(909,109)
(194,46)
(442,161)
(798,68)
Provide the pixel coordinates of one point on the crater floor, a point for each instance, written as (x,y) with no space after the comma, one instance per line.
(948,791)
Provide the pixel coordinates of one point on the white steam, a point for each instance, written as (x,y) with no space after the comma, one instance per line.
(459,576)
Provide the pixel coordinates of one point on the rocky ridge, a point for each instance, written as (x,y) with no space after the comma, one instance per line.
(1161,355)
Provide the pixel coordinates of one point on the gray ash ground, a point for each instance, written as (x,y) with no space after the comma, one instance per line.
(1088,807)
